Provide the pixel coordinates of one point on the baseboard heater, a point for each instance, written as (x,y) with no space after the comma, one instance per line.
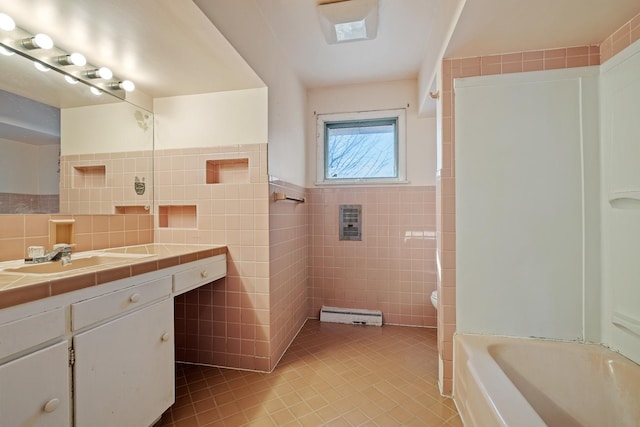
(352,316)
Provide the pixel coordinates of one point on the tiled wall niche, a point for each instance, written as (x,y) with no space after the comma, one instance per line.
(139,210)
(183,216)
(98,183)
(227,171)
(89,176)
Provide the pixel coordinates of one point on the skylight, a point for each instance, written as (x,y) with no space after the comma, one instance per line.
(351,31)
(350,20)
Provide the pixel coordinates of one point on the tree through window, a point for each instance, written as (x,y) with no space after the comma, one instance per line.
(361,149)
(364,147)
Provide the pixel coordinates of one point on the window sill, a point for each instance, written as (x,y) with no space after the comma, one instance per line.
(359,183)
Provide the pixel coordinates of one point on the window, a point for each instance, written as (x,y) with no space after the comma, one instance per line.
(367,147)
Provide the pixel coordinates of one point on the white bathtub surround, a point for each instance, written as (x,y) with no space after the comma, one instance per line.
(548,198)
(536,383)
(548,207)
(619,93)
(527,216)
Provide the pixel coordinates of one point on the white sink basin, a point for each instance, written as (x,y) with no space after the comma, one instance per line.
(55,267)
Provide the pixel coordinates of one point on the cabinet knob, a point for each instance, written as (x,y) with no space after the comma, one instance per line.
(204,274)
(52,405)
(165,337)
(134,298)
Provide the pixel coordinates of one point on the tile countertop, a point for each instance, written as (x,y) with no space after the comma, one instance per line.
(18,288)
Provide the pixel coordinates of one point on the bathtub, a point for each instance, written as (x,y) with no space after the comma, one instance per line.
(519,382)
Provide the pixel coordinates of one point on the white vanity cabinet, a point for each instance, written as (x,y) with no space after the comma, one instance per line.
(99,356)
(124,371)
(34,377)
(34,389)
(199,273)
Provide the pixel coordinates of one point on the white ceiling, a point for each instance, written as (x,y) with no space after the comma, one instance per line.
(503,26)
(169,47)
(485,27)
(395,54)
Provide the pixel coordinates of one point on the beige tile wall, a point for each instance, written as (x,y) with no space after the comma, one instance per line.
(227,322)
(392,269)
(98,183)
(621,38)
(93,232)
(284,257)
(289,272)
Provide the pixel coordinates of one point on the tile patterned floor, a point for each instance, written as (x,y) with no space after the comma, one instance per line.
(332,375)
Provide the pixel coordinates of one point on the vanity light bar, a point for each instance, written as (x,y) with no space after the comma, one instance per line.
(38,47)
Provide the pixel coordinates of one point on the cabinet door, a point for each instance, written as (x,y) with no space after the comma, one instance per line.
(124,369)
(34,389)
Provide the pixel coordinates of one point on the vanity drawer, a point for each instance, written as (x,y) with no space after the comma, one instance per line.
(30,331)
(101,308)
(213,269)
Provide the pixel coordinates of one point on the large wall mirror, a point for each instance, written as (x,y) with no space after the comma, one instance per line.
(64,149)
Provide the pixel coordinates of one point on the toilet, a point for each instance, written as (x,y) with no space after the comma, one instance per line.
(434,299)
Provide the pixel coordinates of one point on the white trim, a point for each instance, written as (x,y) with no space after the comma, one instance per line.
(363,115)
(360,182)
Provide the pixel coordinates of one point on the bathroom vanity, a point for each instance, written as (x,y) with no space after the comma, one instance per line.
(98,350)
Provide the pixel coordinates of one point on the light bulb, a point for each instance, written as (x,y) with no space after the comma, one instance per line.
(73,59)
(41,67)
(39,41)
(95,91)
(126,85)
(105,73)
(6,22)
(6,52)
(78,59)
(70,80)
(100,73)
(43,41)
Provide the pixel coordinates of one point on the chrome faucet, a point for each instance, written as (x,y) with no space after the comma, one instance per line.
(60,252)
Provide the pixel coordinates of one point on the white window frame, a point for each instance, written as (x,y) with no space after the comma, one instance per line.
(400,114)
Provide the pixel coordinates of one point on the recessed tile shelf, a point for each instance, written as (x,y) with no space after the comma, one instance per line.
(89,176)
(138,210)
(177,216)
(228,171)
(62,231)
